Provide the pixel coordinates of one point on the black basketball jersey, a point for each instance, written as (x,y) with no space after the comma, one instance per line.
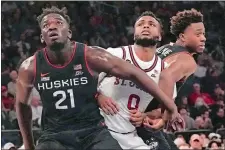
(67,92)
(171,49)
(164,52)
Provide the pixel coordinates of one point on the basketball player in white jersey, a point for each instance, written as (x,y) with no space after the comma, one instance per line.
(127,95)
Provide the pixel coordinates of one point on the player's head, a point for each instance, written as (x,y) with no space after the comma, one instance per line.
(188,27)
(147,29)
(54,24)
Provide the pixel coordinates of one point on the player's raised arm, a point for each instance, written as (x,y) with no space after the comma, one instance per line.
(101,61)
(24,86)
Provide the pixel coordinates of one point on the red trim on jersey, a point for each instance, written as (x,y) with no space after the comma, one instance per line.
(60,67)
(35,68)
(162,65)
(136,64)
(86,63)
(124,53)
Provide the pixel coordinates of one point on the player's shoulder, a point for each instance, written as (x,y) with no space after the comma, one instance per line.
(118,51)
(28,64)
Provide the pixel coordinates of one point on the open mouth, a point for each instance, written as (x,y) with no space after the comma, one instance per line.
(202,46)
(145,33)
(53,35)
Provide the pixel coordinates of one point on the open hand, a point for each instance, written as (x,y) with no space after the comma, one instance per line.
(108,105)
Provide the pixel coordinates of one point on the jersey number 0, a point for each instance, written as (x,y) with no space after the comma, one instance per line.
(133,102)
(63,96)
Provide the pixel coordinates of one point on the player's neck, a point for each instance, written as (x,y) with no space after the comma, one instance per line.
(145,53)
(62,56)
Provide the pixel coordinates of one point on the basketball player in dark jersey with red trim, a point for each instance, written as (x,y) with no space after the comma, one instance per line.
(189,29)
(65,75)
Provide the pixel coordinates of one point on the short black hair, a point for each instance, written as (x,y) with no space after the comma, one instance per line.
(56,10)
(183,19)
(149,13)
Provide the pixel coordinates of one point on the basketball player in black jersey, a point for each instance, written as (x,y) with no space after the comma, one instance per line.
(189,29)
(65,75)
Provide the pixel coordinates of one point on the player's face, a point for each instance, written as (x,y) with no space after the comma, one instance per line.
(54,29)
(194,36)
(147,29)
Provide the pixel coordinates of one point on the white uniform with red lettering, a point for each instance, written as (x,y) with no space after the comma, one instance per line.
(128,96)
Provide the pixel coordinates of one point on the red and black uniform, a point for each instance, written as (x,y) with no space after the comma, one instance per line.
(70,113)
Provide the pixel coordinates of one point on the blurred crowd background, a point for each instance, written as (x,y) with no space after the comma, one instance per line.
(110,24)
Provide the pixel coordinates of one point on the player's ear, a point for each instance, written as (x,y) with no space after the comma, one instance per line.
(69,34)
(160,38)
(182,37)
(41,37)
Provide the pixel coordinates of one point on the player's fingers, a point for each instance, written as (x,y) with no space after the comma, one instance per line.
(137,114)
(174,126)
(110,110)
(150,121)
(113,107)
(116,105)
(133,111)
(134,119)
(138,124)
(148,125)
(105,111)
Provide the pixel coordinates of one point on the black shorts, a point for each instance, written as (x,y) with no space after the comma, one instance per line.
(85,139)
(155,139)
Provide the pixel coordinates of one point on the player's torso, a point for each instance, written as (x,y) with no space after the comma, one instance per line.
(126,93)
(66,92)
(169,54)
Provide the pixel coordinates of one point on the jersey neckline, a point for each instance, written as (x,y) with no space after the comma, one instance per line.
(66,64)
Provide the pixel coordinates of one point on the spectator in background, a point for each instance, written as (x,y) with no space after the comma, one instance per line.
(7,100)
(210,81)
(207,120)
(199,98)
(214,145)
(205,140)
(195,142)
(218,94)
(219,117)
(184,147)
(189,122)
(4,64)
(215,141)
(9,146)
(184,103)
(23,47)
(200,123)
(12,84)
(179,141)
(98,40)
(202,63)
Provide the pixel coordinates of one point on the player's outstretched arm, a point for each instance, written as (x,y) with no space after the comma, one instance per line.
(101,61)
(24,86)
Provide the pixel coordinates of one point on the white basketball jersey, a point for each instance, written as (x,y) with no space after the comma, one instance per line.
(126,93)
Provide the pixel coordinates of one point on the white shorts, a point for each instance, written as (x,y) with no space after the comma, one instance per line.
(130,140)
